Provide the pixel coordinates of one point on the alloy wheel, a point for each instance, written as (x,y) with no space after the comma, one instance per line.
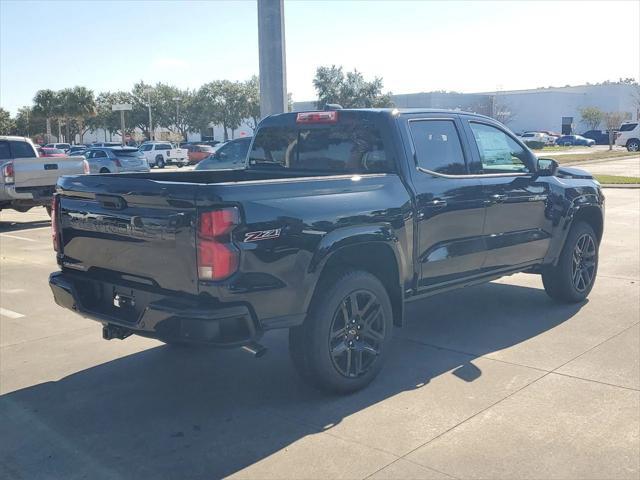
(583,262)
(357,333)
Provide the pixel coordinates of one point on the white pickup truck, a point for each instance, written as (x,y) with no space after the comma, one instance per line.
(159,154)
(28,180)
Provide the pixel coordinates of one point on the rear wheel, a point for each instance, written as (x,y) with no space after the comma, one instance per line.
(573,277)
(343,342)
(633,145)
(160,161)
(104,170)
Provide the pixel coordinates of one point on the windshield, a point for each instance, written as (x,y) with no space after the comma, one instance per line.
(345,148)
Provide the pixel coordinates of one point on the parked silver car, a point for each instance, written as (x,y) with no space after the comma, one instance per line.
(116,160)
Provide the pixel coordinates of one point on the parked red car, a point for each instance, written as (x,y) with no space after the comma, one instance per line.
(50,152)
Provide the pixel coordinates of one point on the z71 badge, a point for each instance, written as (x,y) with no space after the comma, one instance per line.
(262,235)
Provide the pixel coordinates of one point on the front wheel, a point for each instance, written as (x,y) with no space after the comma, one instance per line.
(159,161)
(344,340)
(572,279)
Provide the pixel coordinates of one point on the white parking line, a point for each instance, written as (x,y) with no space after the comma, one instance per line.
(10,313)
(16,237)
(12,290)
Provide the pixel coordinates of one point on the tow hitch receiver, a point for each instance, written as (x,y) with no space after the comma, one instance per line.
(109,332)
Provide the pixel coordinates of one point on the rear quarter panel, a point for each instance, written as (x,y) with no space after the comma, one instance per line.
(314,218)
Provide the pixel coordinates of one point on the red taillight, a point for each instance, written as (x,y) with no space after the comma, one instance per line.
(317,117)
(117,162)
(85,167)
(217,256)
(55,231)
(8,173)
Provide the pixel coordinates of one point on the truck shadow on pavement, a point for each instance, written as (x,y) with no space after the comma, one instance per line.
(197,413)
(6,227)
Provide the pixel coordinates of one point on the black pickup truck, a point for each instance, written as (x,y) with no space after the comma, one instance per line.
(337,220)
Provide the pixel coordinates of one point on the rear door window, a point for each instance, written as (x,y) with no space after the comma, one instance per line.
(627,127)
(354,147)
(437,145)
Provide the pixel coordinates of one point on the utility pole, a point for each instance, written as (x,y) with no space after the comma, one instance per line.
(272,52)
(148,92)
(177,100)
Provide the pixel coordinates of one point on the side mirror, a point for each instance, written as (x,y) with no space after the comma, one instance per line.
(547,167)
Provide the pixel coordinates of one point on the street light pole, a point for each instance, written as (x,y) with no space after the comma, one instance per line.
(177,100)
(148,91)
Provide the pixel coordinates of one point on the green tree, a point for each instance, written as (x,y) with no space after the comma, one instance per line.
(80,106)
(139,98)
(106,118)
(29,124)
(176,109)
(592,117)
(252,102)
(47,105)
(612,121)
(349,90)
(222,102)
(7,125)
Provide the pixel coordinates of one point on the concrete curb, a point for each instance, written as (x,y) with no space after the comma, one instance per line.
(620,185)
(600,160)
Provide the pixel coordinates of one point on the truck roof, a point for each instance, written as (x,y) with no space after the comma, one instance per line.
(14,137)
(390,111)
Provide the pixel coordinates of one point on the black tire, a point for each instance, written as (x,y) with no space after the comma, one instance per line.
(160,161)
(571,280)
(633,145)
(339,348)
(104,170)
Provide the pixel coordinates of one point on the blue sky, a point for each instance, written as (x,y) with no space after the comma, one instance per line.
(415,46)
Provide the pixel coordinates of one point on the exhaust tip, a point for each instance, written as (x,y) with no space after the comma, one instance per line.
(255,349)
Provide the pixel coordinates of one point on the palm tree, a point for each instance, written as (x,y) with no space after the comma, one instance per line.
(47,103)
(79,105)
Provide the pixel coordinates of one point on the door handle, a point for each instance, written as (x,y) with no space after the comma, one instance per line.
(438,203)
(498,198)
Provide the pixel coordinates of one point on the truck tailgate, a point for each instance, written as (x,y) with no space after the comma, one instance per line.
(139,230)
(44,171)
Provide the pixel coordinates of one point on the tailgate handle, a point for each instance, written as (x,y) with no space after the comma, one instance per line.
(50,166)
(111,201)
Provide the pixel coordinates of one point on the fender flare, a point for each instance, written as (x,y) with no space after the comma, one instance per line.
(577,204)
(341,238)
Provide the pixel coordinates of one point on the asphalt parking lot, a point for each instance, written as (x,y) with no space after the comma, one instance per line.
(494,381)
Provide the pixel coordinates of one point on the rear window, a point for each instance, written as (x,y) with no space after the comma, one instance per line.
(627,127)
(22,150)
(52,150)
(163,147)
(347,147)
(131,152)
(5,152)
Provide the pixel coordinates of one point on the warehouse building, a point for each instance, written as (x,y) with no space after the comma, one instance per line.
(555,109)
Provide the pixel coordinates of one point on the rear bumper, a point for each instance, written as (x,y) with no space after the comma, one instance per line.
(29,195)
(155,315)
